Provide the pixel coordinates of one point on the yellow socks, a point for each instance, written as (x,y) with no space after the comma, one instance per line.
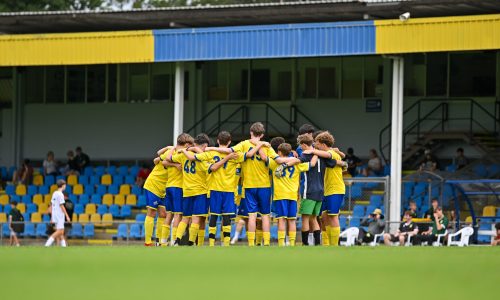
(292,235)
(258,237)
(165,234)
(334,236)
(149,224)
(180,230)
(174,233)
(193,232)
(159,228)
(251,238)
(267,238)
(325,238)
(201,237)
(281,238)
(226,234)
(211,236)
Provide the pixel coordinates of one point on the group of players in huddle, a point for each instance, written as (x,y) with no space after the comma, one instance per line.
(191,182)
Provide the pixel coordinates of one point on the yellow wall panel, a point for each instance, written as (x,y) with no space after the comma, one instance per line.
(438,34)
(77,48)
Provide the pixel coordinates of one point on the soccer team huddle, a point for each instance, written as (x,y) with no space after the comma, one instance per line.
(193,185)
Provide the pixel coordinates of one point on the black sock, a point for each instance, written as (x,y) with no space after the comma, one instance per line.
(305,238)
(317,237)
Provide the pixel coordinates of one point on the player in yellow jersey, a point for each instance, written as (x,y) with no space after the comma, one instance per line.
(286,182)
(194,188)
(173,198)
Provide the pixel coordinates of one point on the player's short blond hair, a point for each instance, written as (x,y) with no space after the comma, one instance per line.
(325,138)
(184,138)
(285,149)
(257,128)
(305,139)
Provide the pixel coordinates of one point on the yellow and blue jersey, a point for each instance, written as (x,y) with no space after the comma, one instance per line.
(334,182)
(174,175)
(255,170)
(224,179)
(157,179)
(194,175)
(286,187)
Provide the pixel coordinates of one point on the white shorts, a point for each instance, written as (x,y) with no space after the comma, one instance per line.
(59,222)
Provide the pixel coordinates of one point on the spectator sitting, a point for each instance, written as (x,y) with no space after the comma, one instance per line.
(353,162)
(82,159)
(374,167)
(376,225)
(430,162)
(429,214)
(25,174)
(406,229)
(16,224)
(496,240)
(460,160)
(50,165)
(413,208)
(439,225)
(142,175)
(71,166)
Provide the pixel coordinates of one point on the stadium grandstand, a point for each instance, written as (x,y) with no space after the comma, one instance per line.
(404,83)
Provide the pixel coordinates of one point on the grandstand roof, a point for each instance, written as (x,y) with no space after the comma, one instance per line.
(244,14)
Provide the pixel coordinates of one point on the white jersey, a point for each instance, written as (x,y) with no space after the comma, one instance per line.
(57,200)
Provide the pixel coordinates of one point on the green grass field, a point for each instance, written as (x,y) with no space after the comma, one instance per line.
(243,273)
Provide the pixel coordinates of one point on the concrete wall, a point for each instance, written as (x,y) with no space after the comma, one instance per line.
(6,157)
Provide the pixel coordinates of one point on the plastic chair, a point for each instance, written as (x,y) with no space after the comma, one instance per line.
(120,200)
(94,180)
(101,190)
(122,231)
(107,199)
(5,229)
(88,230)
(3,217)
(99,170)
(31,208)
(79,209)
(131,200)
(10,189)
(124,189)
(141,201)
(21,207)
(440,239)
(76,231)
(4,199)
(376,239)
(464,233)
(376,200)
(358,211)
(350,234)
(136,190)
(107,220)
(95,219)
(37,199)
(134,170)
(90,209)
(118,179)
(72,180)
(83,180)
(88,171)
(84,199)
(111,170)
(83,218)
(489,211)
(78,189)
(139,218)
(89,190)
(29,230)
(41,230)
(21,190)
(32,190)
(123,170)
(114,210)
(135,231)
(106,179)
(114,189)
(43,190)
(49,180)
(129,180)
(102,209)
(126,211)
(96,199)
(26,199)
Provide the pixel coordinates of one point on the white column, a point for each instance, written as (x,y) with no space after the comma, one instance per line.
(178,100)
(396,141)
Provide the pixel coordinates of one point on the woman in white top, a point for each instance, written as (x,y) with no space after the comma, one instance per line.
(50,165)
(58,214)
(374,167)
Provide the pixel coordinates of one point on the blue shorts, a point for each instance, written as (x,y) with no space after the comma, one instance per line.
(153,201)
(222,203)
(195,206)
(258,200)
(286,209)
(333,203)
(242,209)
(173,200)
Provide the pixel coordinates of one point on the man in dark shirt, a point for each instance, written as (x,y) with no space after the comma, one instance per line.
(406,229)
(439,225)
(429,214)
(16,224)
(82,160)
(72,166)
(353,161)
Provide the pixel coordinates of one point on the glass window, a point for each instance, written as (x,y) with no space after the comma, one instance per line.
(238,79)
(33,84)
(76,84)
(414,78)
(138,88)
(55,84)
(374,76)
(472,74)
(161,81)
(96,83)
(112,82)
(217,73)
(352,71)
(271,79)
(260,84)
(437,70)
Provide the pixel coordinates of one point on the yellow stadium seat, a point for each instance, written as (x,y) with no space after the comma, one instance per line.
(53,188)
(38,199)
(90,208)
(42,208)
(119,200)
(74,218)
(96,219)
(83,218)
(36,218)
(78,189)
(468,219)
(47,198)
(3,218)
(107,220)
(124,189)
(4,199)
(21,190)
(21,207)
(131,200)
(107,199)
(106,179)
(489,211)
(72,180)
(38,180)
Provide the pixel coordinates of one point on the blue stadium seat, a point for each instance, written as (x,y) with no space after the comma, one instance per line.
(122,231)
(123,170)
(7,209)
(420,189)
(136,190)
(480,170)
(111,170)
(83,180)
(26,199)
(101,190)
(44,189)
(69,189)
(27,217)
(58,177)
(141,201)
(94,180)
(376,200)
(355,222)
(45,218)
(118,180)
(10,189)
(76,231)
(370,208)
(435,191)
(1,208)
(102,209)
(79,209)
(96,199)
(88,171)
(484,238)
(3,173)
(129,180)
(356,191)
(88,230)
(343,222)
(84,199)
(135,231)
(32,190)
(493,170)
(5,230)
(134,170)
(421,210)
(89,189)
(114,189)
(73,198)
(99,170)
(29,230)
(387,170)
(114,210)
(41,230)
(358,211)
(139,218)
(31,208)
(126,211)
(49,180)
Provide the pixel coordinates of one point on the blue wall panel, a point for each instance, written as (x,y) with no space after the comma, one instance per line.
(265,41)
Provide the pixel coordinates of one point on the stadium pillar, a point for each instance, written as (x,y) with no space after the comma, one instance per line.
(178,100)
(17,115)
(396,142)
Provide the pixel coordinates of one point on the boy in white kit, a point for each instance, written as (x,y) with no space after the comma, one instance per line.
(59,214)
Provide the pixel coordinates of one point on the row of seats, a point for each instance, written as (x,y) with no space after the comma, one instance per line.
(105,179)
(8,173)
(116,211)
(96,218)
(106,199)
(39,230)
(78,189)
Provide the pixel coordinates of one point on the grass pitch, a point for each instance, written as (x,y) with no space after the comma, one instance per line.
(243,273)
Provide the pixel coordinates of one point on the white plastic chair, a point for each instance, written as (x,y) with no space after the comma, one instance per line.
(350,234)
(440,239)
(376,238)
(465,233)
